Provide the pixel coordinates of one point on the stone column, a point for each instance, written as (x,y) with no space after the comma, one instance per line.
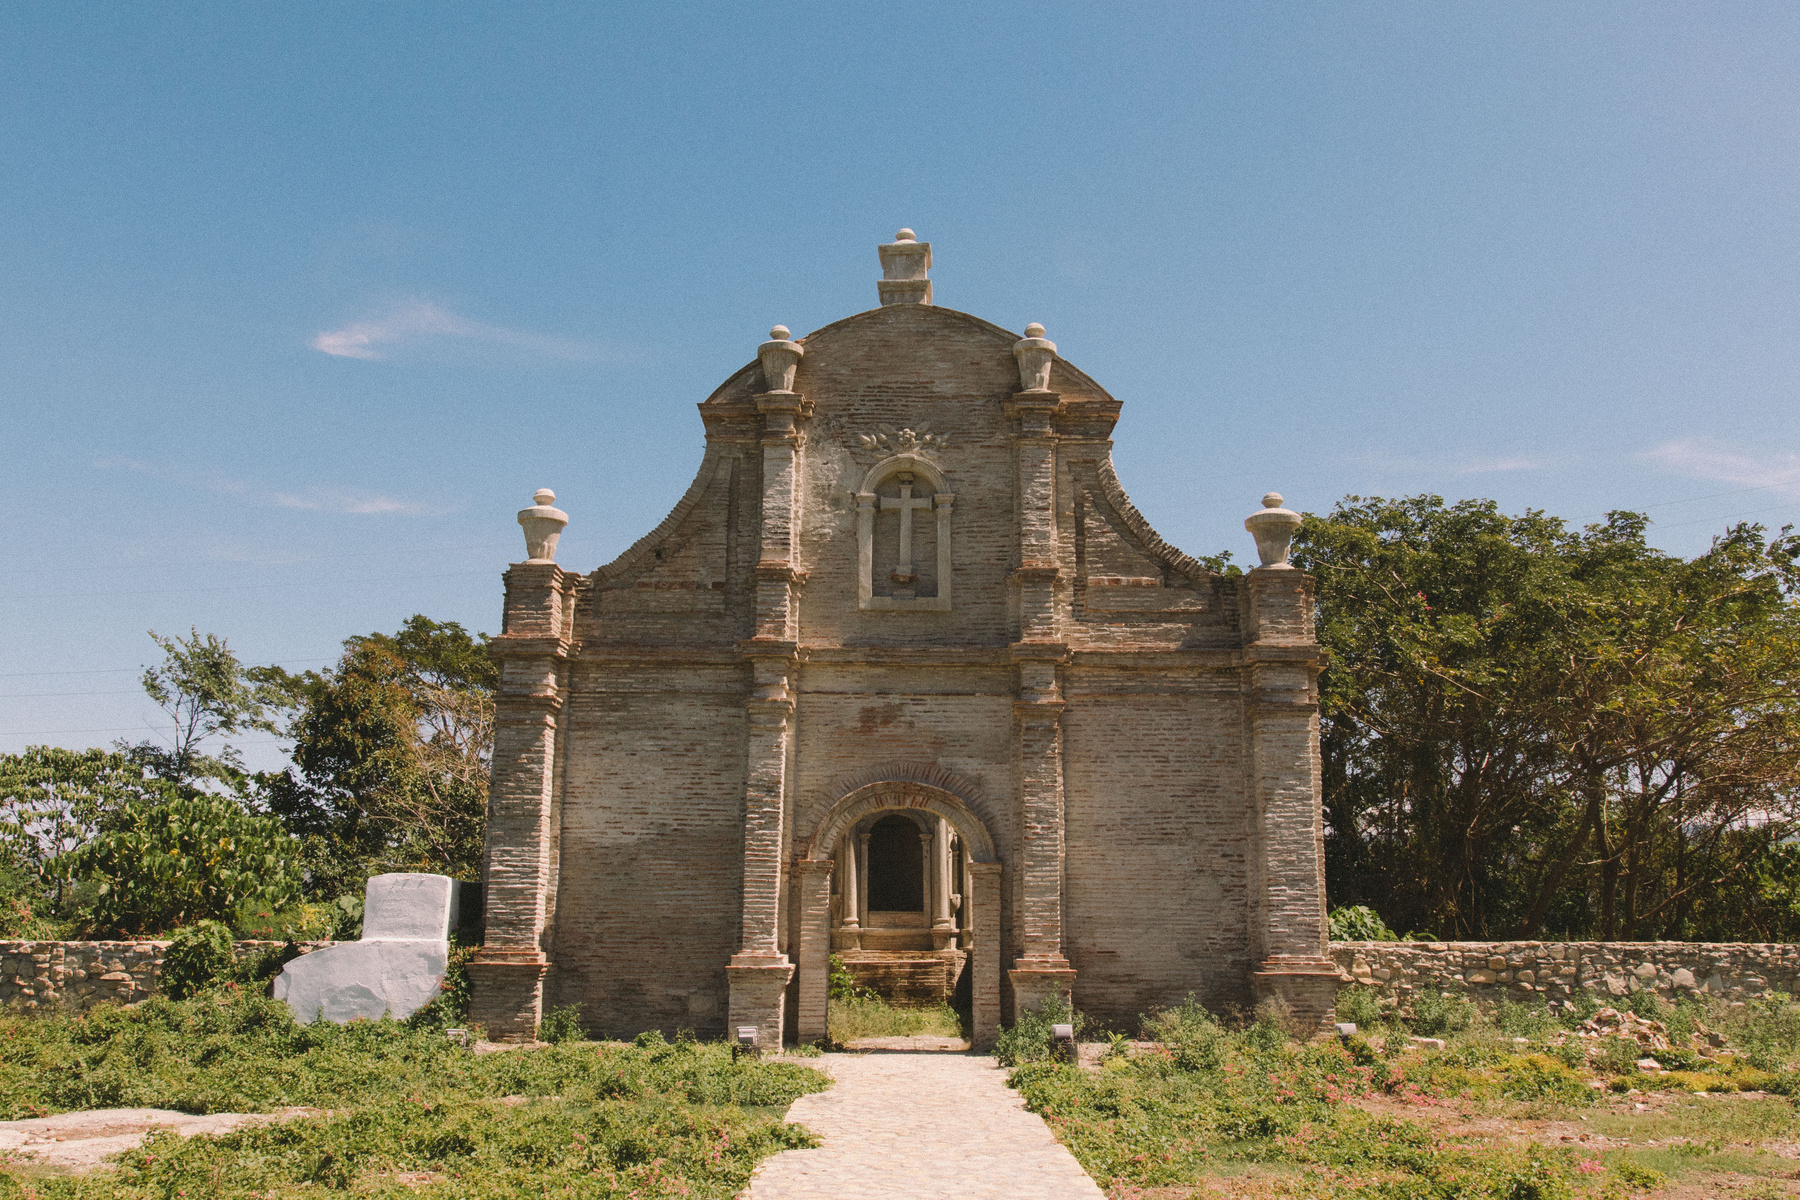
(1288,867)
(814,878)
(759,972)
(850,895)
(507,974)
(983,903)
(862,875)
(943,929)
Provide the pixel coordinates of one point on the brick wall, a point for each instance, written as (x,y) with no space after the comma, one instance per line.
(72,977)
(1140,841)
(1533,971)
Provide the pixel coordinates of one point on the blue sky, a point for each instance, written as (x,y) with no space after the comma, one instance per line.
(298,304)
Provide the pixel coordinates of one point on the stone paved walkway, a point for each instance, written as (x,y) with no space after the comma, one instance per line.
(924,1127)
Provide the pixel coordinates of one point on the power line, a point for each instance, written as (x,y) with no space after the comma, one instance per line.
(49,695)
(236,737)
(344,585)
(1730,516)
(286,662)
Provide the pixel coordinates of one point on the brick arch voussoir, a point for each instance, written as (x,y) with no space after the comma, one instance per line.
(896,795)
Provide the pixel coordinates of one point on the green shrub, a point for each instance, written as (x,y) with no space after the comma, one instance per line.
(1538,1077)
(870,1016)
(198,956)
(1645,1003)
(1192,1036)
(1358,923)
(1361,1005)
(1579,1007)
(1435,1014)
(842,985)
(1029,1038)
(1524,1020)
(603,1121)
(169,862)
(1618,1055)
(563,1024)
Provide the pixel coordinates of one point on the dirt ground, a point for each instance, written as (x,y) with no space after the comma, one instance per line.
(74,1143)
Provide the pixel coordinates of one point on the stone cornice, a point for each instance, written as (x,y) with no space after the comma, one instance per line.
(1038,652)
(767,648)
(509,645)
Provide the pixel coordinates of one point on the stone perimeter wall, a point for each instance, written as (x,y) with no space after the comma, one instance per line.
(72,977)
(1531,971)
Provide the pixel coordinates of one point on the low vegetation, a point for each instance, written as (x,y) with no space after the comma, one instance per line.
(861,1017)
(1441,1101)
(402,1108)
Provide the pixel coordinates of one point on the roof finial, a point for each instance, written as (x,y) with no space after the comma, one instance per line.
(543,525)
(906,268)
(1034,353)
(1273,528)
(780,357)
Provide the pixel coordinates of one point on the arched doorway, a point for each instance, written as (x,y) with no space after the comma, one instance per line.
(948,903)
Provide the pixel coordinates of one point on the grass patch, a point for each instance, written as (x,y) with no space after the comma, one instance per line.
(1506,1109)
(853,1018)
(573,1119)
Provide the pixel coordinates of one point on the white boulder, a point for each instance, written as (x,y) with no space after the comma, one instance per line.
(397,967)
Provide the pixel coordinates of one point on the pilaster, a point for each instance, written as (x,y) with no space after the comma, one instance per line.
(508,971)
(1283,662)
(984,962)
(814,878)
(759,972)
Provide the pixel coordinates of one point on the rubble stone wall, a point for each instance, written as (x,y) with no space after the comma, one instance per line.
(1523,971)
(72,977)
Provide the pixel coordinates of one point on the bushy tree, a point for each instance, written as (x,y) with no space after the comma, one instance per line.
(1529,727)
(207,693)
(390,755)
(164,862)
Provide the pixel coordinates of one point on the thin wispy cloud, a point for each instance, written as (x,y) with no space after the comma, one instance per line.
(420,322)
(342,501)
(1386,462)
(1488,466)
(1703,458)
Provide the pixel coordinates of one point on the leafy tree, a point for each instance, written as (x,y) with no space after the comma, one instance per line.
(207,693)
(52,801)
(1526,726)
(163,862)
(390,755)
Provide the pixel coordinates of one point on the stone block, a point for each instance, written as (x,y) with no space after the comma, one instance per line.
(395,970)
(364,980)
(408,905)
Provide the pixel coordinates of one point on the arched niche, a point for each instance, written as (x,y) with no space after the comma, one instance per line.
(898,579)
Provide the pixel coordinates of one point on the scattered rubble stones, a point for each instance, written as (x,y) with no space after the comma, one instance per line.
(1524,971)
(72,977)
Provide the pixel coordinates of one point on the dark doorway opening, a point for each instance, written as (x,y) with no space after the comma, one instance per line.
(896,866)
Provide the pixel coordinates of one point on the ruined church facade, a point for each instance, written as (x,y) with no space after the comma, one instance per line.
(904,677)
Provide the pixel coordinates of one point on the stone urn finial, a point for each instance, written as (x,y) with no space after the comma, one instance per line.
(780,358)
(1273,528)
(543,527)
(1035,353)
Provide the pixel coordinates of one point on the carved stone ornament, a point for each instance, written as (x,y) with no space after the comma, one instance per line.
(543,526)
(888,440)
(780,358)
(1274,528)
(905,270)
(1035,353)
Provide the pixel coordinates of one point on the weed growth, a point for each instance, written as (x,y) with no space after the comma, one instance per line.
(568,1120)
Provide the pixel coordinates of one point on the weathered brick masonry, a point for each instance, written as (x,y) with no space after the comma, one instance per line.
(905,609)
(1531,971)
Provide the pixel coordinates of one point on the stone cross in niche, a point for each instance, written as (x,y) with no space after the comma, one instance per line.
(903,574)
